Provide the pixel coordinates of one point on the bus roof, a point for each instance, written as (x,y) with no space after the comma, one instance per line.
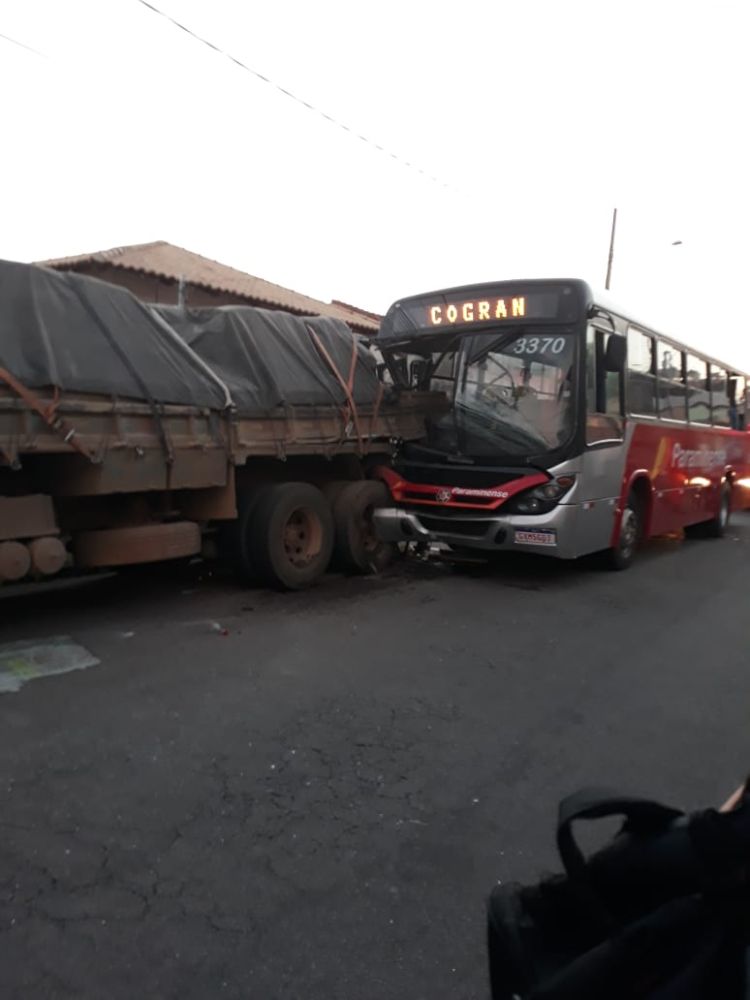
(585,292)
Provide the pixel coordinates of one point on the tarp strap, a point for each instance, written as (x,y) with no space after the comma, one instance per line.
(340,379)
(48,413)
(122,354)
(353,365)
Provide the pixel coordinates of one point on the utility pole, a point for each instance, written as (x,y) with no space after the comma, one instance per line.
(611,249)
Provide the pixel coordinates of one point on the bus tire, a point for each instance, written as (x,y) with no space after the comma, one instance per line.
(291,535)
(717,526)
(357,547)
(621,555)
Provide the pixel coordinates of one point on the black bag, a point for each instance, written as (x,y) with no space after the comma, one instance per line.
(658,914)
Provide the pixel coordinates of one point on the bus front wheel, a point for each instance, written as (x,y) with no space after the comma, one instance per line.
(621,554)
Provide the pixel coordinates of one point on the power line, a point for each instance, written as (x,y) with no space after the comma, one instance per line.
(298,100)
(21,45)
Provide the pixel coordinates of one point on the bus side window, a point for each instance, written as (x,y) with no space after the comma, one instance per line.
(604,391)
(699,396)
(719,397)
(737,398)
(641,373)
(671,376)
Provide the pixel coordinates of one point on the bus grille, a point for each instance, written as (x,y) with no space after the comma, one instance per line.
(454,526)
(415,497)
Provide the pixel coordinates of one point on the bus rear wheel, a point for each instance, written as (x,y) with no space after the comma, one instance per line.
(717,526)
(621,555)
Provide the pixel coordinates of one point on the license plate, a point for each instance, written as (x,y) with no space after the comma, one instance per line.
(535,538)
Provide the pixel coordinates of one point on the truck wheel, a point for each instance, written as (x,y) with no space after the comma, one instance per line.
(234,538)
(333,488)
(331,491)
(622,554)
(717,526)
(291,535)
(357,547)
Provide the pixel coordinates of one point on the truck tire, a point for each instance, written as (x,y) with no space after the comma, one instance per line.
(333,488)
(291,535)
(235,539)
(357,548)
(331,491)
(621,555)
(143,543)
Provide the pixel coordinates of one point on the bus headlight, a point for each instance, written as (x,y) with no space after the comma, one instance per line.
(542,499)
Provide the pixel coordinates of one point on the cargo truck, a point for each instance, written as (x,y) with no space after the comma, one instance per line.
(131,434)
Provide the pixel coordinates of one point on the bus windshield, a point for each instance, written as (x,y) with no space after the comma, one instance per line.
(512,396)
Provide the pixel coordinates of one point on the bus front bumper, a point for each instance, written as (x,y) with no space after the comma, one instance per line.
(551,534)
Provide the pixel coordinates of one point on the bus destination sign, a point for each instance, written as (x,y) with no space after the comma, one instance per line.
(472,311)
(475,308)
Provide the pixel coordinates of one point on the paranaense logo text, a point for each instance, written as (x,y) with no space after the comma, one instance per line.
(687,458)
(459,491)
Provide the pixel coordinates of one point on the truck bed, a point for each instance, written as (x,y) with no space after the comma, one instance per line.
(91,444)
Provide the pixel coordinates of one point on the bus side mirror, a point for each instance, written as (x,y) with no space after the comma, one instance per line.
(614,355)
(418,369)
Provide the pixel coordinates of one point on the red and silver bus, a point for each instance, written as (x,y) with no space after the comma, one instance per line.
(573,427)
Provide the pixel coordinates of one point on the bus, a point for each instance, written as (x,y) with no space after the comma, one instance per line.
(572,427)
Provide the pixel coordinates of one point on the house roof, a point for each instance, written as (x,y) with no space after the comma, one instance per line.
(172,263)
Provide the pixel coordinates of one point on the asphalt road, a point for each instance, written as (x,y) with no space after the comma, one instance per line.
(309,796)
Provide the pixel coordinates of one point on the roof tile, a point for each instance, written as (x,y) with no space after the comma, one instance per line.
(164,260)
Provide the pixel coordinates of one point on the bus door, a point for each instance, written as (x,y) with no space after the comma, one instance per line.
(699,496)
(604,456)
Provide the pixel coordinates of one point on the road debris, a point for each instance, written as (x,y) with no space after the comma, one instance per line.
(30,659)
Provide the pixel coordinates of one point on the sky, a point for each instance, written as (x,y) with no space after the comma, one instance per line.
(508,131)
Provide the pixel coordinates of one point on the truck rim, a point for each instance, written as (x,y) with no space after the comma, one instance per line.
(303,537)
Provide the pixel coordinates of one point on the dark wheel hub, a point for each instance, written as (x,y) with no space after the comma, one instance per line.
(302,537)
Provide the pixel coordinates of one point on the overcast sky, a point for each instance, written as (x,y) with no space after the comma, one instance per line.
(534,118)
